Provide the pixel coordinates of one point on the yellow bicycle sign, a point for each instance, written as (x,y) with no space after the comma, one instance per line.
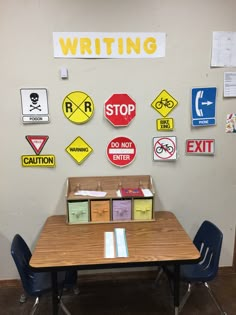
(164,103)
(78,107)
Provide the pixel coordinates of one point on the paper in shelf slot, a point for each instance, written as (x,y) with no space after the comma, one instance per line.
(131,192)
(134,192)
(92,193)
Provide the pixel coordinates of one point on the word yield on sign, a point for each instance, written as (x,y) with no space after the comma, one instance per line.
(37,142)
(121,151)
(120,109)
(200,146)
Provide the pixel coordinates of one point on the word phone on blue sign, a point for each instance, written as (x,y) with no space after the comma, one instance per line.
(203,106)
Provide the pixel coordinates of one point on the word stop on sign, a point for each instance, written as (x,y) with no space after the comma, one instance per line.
(120,110)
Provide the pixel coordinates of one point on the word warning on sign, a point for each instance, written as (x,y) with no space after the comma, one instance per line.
(164,148)
(121,151)
(200,146)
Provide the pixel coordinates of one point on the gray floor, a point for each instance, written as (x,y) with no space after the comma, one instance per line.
(127,297)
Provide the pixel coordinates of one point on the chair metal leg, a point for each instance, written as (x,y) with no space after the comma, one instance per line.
(23,298)
(76,290)
(160,272)
(35,306)
(186,296)
(63,307)
(214,298)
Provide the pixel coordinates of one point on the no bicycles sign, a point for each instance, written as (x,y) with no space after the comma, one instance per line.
(164,148)
(164,103)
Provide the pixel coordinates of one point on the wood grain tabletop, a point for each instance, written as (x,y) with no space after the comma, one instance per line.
(82,245)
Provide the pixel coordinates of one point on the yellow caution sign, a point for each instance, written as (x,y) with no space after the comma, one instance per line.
(78,107)
(165,124)
(38,160)
(79,150)
(164,103)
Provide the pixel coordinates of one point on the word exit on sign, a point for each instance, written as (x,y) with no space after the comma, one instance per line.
(200,146)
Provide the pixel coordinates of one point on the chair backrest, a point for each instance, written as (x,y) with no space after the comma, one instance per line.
(21,255)
(208,241)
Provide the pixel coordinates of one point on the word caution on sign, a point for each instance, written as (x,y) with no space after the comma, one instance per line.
(200,146)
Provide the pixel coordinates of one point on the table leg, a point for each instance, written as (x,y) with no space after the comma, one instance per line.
(176,287)
(55,298)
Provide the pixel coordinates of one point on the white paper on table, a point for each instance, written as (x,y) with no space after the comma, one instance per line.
(121,243)
(109,250)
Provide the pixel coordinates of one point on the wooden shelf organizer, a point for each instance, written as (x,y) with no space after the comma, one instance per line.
(111,208)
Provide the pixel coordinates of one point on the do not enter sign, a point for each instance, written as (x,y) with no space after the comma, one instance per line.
(121,151)
(120,109)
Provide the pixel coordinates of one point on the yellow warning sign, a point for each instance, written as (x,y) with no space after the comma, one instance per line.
(38,160)
(79,150)
(164,103)
(78,107)
(165,124)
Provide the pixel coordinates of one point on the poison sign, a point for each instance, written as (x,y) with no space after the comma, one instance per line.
(121,151)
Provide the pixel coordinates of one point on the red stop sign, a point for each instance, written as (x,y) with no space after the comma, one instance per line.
(120,109)
(121,151)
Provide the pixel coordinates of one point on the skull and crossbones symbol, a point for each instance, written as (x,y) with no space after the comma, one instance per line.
(34,99)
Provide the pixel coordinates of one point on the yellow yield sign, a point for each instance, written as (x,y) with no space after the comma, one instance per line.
(164,103)
(79,150)
(78,107)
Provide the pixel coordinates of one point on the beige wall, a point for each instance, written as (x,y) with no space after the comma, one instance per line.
(194,188)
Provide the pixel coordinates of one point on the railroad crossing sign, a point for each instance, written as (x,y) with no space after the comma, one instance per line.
(164,103)
(78,107)
(164,148)
(121,151)
(120,109)
(79,150)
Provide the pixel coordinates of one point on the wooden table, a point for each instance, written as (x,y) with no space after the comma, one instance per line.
(61,246)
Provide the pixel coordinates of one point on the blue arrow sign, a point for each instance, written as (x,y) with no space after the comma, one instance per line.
(203,106)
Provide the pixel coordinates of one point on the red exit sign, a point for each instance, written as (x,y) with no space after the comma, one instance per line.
(200,146)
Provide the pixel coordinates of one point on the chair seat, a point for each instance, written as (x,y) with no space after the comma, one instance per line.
(196,273)
(41,282)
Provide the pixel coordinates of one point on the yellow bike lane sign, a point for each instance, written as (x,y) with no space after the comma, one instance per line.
(164,103)
(78,107)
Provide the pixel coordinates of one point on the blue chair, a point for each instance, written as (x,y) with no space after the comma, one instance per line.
(208,241)
(36,284)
